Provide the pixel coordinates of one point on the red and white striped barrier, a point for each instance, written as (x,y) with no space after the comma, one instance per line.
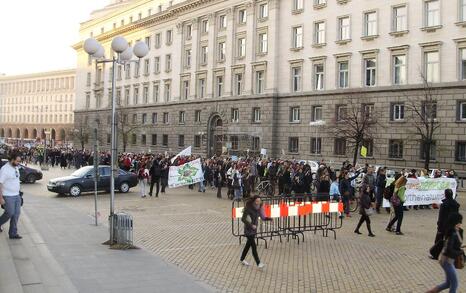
(295,209)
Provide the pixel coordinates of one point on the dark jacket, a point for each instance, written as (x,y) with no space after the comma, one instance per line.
(447,207)
(364,203)
(155,170)
(381,181)
(251,218)
(452,247)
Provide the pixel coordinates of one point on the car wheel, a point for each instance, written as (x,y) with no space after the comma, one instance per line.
(124,187)
(75,190)
(31,178)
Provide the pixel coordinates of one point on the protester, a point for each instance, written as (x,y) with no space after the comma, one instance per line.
(380,183)
(10,198)
(398,199)
(451,250)
(143,175)
(251,213)
(365,210)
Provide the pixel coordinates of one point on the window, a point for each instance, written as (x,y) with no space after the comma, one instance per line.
(127,96)
(156,92)
(181,117)
(187,58)
(143,139)
(256,143)
(319,76)
(432,153)
(319,33)
(260,82)
(88,101)
(136,69)
(146,66)
(429,110)
(241,47)
(119,72)
(340,147)
(88,79)
(154,118)
(204,26)
(432,66)
(263,10)
(238,83)
(185,89)
(242,16)
(145,94)
(168,62)
(316,145)
(154,139)
(256,115)
(201,88)
(296,78)
(165,140)
(369,144)
(368,110)
(462,10)
(235,115)
(157,40)
(320,2)
(147,41)
(294,114)
(234,142)
(316,113)
(197,141)
(344,28)
(298,5)
(460,151)
(399,69)
(197,116)
(462,55)
(432,13)
(156,65)
(219,86)
(370,72)
(169,37)
(204,55)
(293,144)
(133,138)
(221,52)
(398,112)
(134,119)
(188,32)
(395,149)
(461,110)
(297,37)
(136,96)
(341,112)
(400,18)
(167,91)
(262,43)
(343,74)
(181,140)
(165,118)
(370,23)
(222,22)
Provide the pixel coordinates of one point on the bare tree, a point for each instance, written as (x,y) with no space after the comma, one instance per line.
(423,110)
(356,123)
(81,134)
(125,127)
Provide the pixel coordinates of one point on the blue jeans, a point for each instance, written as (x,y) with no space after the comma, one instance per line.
(452,279)
(201,186)
(12,211)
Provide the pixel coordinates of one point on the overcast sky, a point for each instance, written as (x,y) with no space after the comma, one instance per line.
(36,35)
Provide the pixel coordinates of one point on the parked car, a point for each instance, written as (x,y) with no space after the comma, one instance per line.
(82,180)
(26,174)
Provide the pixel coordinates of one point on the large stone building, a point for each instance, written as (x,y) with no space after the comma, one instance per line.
(33,104)
(246,75)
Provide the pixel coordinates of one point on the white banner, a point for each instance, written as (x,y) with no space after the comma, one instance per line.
(184,153)
(185,174)
(426,191)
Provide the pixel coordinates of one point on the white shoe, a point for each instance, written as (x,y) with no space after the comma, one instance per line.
(261,265)
(245,263)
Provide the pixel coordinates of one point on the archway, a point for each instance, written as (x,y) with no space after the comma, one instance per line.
(62,135)
(9,133)
(2,132)
(53,134)
(25,133)
(215,136)
(34,133)
(42,134)
(18,133)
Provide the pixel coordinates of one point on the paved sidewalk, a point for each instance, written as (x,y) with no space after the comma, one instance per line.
(62,252)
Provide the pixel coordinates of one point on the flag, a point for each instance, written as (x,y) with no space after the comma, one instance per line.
(364,151)
(185,152)
(186,174)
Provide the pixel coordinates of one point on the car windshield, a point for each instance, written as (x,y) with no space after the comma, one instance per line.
(81,172)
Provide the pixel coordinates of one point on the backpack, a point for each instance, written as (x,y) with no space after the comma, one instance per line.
(388,192)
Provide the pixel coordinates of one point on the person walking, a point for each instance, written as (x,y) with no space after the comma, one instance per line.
(251,213)
(398,199)
(380,183)
(365,210)
(10,197)
(219,179)
(450,252)
(143,174)
(155,173)
(448,207)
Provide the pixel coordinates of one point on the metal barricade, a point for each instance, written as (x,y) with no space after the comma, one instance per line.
(122,228)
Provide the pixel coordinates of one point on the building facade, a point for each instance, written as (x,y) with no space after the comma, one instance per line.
(280,75)
(33,104)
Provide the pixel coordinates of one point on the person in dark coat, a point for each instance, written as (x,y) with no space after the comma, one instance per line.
(364,204)
(380,183)
(448,207)
(251,213)
(155,173)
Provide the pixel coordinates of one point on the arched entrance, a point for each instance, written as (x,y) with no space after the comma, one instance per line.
(62,135)
(215,136)
(25,133)
(34,133)
(2,132)
(9,133)
(18,133)
(53,134)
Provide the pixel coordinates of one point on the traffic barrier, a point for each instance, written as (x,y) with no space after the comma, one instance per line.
(292,216)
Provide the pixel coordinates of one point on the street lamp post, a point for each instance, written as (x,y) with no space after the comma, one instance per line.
(45,166)
(124,53)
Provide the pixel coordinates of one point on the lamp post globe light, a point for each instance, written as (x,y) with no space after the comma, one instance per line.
(124,54)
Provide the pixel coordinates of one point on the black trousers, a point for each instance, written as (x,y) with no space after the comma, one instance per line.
(219,190)
(398,218)
(251,243)
(367,219)
(156,181)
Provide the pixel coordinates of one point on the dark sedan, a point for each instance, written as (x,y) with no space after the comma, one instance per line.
(82,180)
(26,174)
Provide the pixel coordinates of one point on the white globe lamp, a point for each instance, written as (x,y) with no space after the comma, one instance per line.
(127,54)
(119,44)
(100,53)
(140,49)
(91,46)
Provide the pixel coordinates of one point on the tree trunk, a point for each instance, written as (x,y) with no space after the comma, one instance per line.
(355,154)
(427,146)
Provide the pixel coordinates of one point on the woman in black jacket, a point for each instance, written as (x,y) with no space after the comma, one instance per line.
(364,206)
(450,252)
(251,213)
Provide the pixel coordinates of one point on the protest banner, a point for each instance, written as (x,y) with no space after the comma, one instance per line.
(184,153)
(186,174)
(425,191)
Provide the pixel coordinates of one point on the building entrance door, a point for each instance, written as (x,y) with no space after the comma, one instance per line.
(215,136)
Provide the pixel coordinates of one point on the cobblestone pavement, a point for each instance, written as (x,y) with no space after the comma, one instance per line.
(193,231)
